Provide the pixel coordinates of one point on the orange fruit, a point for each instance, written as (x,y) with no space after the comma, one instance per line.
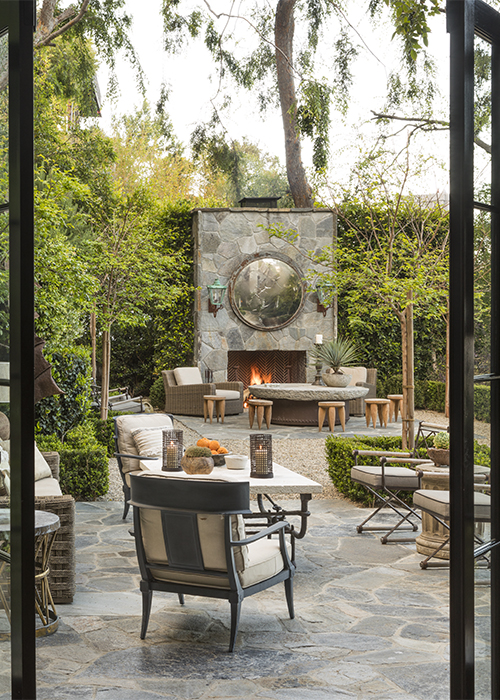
(214,444)
(203,442)
(214,452)
(222,451)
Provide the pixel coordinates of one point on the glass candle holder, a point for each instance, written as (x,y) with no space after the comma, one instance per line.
(261,456)
(172,450)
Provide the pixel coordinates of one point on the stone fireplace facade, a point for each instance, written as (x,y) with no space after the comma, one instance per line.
(226,239)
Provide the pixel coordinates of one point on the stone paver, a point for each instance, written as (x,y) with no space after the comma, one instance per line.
(370,624)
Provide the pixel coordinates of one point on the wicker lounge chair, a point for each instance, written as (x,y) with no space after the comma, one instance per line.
(361,376)
(186,398)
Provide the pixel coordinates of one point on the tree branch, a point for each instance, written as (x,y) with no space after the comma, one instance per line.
(69,12)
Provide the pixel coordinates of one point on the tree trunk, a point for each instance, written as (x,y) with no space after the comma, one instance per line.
(106,354)
(408,412)
(447,376)
(93,346)
(283,36)
(404,363)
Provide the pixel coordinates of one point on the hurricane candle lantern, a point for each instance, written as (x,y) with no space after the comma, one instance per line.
(261,456)
(172,450)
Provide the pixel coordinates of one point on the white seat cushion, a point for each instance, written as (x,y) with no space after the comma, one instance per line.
(47,487)
(228,394)
(126,443)
(438,502)
(358,374)
(42,469)
(187,375)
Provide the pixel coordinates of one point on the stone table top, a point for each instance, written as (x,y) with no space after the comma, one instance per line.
(45,522)
(307,392)
(284,481)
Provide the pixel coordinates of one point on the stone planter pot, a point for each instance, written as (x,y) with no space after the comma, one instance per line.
(336,379)
(440,457)
(197,465)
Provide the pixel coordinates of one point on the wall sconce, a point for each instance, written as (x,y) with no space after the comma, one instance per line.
(216,294)
(324,291)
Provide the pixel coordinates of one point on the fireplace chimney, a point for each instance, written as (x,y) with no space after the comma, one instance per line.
(259,202)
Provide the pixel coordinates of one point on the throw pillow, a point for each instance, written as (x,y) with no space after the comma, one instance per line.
(187,375)
(149,441)
(5,474)
(42,469)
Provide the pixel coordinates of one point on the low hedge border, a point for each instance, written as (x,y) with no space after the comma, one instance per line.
(430,395)
(340,461)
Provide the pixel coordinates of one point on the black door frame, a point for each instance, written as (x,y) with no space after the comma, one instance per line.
(18,18)
(467,18)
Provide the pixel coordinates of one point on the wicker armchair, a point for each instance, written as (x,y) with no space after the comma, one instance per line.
(62,558)
(357,406)
(187,400)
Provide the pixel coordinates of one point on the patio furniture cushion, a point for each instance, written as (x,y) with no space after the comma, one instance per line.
(149,441)
(42,469)
(187,375)
(228,394)
(438,502)
(47,487)
(395,477)
(358,374)
(124,426)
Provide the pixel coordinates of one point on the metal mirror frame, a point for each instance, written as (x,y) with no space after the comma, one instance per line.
(248,261)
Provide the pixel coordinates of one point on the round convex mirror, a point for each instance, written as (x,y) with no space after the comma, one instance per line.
(267,293)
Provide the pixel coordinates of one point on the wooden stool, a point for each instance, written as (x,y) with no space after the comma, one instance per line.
(395,406)
(208,407)
(374,405)
(264,410)
(331,406)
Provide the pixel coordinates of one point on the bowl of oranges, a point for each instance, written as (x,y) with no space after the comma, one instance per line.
(218,451)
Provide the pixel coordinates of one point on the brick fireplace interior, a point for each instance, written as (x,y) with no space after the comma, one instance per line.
(263,366)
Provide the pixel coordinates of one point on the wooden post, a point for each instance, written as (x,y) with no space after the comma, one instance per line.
(93,346)
(410,415)
(106,349)
(447,377)
(404,363)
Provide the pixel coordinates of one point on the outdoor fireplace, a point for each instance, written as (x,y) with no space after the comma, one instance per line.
(266,366)
(265,326)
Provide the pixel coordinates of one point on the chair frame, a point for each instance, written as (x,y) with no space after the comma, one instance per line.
(179,500)
(119,455)
(392,499)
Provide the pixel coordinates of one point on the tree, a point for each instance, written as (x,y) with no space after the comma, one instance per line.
(393,248)
(281,68)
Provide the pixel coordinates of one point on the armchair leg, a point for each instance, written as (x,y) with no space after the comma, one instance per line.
(235,619)
(147,597)
(181,598)
(126,499)
(289,597)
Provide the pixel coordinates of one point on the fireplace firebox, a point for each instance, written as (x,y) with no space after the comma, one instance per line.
(264,366)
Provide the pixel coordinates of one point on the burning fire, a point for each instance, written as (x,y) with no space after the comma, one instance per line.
(257,378)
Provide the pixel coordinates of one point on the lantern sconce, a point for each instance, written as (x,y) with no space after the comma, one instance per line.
(324,292)
(216,294)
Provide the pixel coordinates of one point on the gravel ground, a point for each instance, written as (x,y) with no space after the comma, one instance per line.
(308,457)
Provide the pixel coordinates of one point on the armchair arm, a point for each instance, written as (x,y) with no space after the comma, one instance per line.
(230,386)
(53,459)
(260,535)
(121,454)
(372,390)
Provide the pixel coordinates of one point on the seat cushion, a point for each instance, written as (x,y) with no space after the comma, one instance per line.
(126,443)
(187,375)
(358,374)
(228,394)
(395,477)
(438,503)
(47,487)
(42,469)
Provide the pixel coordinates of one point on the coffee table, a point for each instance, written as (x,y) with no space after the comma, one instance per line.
(285,482)
(297,404)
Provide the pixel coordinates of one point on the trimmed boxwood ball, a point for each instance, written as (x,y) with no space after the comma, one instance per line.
(196,451)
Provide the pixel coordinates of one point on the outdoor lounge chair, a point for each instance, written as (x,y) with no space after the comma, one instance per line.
(386,482)
(190,539)
(361,376)
(126,452)
(437,504)
(184,392)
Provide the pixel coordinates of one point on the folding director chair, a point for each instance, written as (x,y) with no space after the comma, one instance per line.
(386,482)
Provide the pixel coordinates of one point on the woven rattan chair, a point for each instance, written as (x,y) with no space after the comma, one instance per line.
(385,482)
(357,406)
(190,539)
(187,399)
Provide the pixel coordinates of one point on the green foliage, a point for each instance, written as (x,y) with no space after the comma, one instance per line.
(482,403)
(157,394)
(195,451)
(337,353)
(104,431)
(442,440)
(72,373)
(48,443)
(84,472)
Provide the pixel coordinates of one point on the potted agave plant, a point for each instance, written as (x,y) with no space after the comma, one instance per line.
(336,354)
(440,452)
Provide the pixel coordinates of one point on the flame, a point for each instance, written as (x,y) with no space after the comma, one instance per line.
(257,378)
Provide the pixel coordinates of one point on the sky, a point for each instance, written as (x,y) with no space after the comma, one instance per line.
(188,77)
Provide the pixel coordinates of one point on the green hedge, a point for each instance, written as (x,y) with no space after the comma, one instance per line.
(340,461)
(157,395)
(430,395)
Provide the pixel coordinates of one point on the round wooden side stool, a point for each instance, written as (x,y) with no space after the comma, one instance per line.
(331,407)
(208,407)
(263,408)
(374,406)
(395,407)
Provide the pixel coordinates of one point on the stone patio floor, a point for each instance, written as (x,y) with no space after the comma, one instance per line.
(369,624)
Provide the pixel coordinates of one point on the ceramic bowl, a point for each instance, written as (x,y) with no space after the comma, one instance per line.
(236,461)
(219,460)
